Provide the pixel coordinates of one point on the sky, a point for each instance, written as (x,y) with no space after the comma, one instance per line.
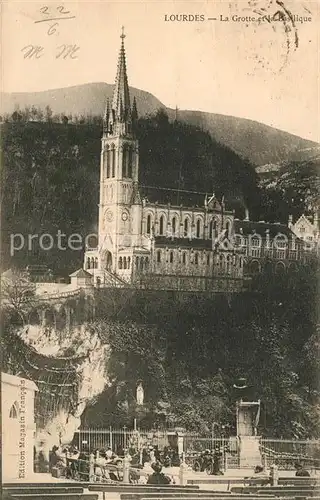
(266,70)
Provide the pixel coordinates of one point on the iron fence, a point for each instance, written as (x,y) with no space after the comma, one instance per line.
(120,439)
(283,452)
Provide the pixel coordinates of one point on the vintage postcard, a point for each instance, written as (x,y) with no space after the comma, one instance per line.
(160,248)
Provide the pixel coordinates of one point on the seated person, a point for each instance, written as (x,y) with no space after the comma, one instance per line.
(260,477)
(301,471)
(53,457)
(158,477)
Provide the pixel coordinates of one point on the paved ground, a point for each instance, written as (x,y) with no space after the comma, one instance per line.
(171,471)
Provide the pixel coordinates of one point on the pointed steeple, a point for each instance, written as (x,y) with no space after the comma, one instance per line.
(106,116)
(134,112)
(120,118)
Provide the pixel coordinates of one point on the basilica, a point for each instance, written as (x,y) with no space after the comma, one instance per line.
(146,240)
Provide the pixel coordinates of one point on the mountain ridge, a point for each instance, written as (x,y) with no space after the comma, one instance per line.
(258,142)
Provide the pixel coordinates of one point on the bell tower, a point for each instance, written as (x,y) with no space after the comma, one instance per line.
(119,166)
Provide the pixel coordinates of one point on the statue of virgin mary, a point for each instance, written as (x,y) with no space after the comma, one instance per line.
(140,394)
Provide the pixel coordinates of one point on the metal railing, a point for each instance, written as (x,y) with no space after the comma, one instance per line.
(284,452)
(119,439)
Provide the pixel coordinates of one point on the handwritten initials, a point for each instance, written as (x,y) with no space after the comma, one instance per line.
(67,51)
(62,52)
(35,51)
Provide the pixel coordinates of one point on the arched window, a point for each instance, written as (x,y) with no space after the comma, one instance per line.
(213,229)
(198,228)
(130,161)
(108,161)
(124,262)
(149,224)
(196,259)
(221,263)
(228,229)
(228,264)
(14,410)
(174,226)
(120,263)
(129,262)
(92,263)
(293,267)
(186,227)
(280,268)
(146,262)
(208,259)
(141,263)
(161,224)
(184,258)
(137,262)
(88,263)
(171,257)
(159,256)
(113,160)
(124,160)
(96,262)
(255,267)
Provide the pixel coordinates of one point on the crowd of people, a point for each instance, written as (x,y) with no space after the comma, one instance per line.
(104,465)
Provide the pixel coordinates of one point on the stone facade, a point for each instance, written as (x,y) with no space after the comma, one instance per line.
(307,229)
(163,238)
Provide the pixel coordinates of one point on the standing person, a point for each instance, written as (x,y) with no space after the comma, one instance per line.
(100,465)
(217,457)
(152,456)
(120,451)
(109,453)
(145,456)
(53,457)
(157,453)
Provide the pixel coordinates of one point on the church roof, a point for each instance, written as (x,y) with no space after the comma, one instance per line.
(177,198)
(303,218)
(80,273)
(247,227)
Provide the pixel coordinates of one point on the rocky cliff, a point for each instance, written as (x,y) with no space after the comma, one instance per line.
(69,368)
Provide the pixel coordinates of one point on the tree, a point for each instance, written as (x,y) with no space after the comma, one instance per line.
(48,114)
(18,294)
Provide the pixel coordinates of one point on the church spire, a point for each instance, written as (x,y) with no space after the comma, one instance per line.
(120,116)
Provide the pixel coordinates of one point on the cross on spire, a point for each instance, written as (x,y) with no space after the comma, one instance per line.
(119,117)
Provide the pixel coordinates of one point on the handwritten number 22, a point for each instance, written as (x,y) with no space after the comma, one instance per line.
(60,8)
